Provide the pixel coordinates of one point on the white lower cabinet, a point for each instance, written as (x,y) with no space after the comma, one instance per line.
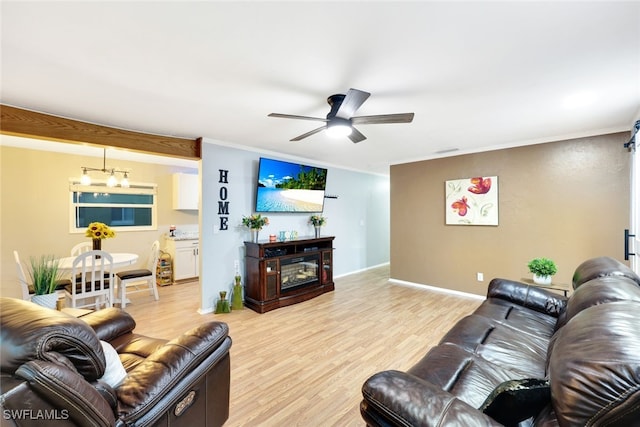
(186,255)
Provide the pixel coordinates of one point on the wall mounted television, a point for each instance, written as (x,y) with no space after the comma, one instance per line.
(289,187)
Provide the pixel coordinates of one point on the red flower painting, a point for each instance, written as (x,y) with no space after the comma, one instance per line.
(480,185)
(472,201)
(460,206)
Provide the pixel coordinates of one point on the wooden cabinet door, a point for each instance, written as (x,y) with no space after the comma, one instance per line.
(185,263)
(272,279)
(326,275)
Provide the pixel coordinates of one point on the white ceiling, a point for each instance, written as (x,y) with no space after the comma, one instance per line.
(477,75)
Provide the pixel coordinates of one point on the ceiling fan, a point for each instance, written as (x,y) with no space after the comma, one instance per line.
(340,120)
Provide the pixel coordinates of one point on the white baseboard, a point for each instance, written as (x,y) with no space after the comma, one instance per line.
(205,310)
(437,289)
(361,270)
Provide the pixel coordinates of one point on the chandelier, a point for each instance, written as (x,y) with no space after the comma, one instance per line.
(112,181)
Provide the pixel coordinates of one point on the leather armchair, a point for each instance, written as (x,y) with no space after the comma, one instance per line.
(52,365)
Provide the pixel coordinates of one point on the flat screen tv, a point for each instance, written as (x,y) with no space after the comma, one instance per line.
(289,187)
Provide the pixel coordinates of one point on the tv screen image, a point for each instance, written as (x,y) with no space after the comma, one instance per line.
(289,187)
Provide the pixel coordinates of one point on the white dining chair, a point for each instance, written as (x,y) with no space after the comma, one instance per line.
(91,278)
(139,280)
(22,278)
(81,248)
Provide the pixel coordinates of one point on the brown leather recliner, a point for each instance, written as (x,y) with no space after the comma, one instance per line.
(52,365)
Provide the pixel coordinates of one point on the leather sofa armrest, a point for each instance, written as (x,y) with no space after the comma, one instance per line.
(32,332)
(68,390)
(541,300)
(110,323)
(153,384)
(394,398)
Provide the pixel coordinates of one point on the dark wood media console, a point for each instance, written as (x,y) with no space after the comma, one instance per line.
(284,273)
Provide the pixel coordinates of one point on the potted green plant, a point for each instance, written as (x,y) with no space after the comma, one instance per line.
(44,274)
(542,269)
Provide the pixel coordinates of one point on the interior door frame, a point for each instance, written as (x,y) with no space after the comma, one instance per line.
(633,236)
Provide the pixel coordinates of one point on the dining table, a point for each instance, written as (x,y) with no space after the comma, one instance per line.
(120,260)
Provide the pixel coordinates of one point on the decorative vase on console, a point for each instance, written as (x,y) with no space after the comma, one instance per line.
(318,221)
(255,223)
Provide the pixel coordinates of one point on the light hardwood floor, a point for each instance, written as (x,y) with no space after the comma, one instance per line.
(304,365)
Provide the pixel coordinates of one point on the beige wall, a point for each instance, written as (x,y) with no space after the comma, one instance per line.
(565,200)
(34,197)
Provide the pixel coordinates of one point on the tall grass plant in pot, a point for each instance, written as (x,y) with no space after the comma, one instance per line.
(45,274)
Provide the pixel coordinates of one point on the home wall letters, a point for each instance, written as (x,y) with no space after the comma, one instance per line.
(223,203)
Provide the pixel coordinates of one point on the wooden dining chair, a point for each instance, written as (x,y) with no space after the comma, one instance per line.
(81,248)
(139,280)
(91,278)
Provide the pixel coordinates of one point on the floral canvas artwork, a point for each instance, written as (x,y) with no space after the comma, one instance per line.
(472,201)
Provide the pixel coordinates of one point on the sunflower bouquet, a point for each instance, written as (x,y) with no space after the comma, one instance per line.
(99,230)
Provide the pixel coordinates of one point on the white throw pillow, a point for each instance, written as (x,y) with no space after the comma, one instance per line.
(114,372)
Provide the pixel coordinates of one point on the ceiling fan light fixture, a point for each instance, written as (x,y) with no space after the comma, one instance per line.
(338,127)
(340,119)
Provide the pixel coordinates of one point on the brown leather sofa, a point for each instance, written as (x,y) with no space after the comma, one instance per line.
(527,357)
(52,365)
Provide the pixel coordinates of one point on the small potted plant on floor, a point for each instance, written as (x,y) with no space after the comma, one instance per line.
(44,278)
(542,269)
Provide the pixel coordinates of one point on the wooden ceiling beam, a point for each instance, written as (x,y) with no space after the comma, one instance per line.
(25,123)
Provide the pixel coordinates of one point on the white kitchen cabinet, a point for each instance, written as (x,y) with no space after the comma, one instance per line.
(186,258)
(185,191)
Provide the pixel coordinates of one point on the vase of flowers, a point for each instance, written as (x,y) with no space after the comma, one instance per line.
(255,223)
(98,231)
(317,221)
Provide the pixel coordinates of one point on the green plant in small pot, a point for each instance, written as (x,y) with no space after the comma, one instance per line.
(45,276)
(542,269)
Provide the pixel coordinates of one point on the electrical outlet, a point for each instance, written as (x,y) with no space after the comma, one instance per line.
(480,277)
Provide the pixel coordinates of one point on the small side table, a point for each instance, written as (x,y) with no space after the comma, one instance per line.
(564,288)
